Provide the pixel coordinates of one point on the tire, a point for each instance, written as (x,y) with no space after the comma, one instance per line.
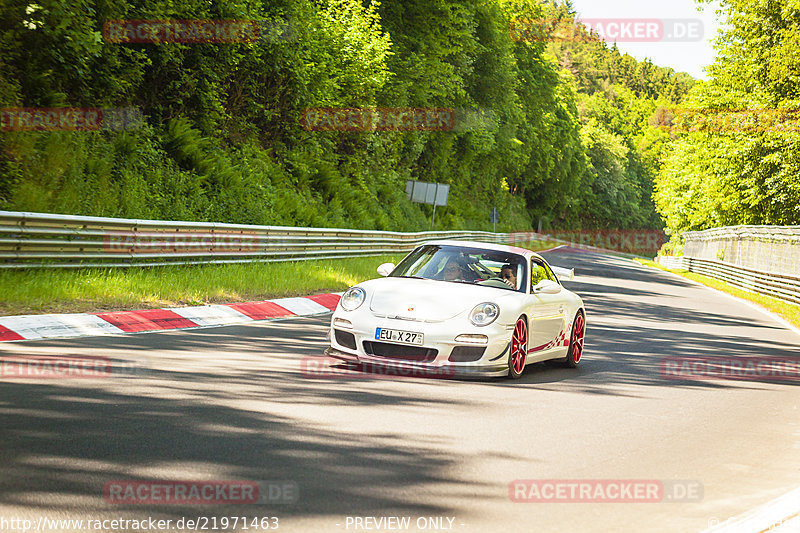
(575,350)
(519,349)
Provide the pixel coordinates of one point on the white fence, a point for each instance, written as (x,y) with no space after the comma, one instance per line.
(782,286)
(763,248)
(29,240)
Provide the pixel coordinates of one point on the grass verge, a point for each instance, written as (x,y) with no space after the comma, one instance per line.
(111,289)
(36,291)
(789,311)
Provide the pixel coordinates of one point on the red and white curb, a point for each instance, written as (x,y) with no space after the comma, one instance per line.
(31,327)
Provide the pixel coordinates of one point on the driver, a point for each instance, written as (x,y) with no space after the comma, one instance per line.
(453,270)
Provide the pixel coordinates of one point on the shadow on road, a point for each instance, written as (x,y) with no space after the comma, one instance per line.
(631,329)
(202,409)
(200,405)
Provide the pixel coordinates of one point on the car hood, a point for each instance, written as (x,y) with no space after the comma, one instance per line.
(427,300)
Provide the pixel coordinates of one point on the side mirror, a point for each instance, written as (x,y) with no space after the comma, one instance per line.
(385,269)
(547,286)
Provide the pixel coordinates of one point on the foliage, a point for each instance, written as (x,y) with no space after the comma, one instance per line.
(550,133)
(729,175)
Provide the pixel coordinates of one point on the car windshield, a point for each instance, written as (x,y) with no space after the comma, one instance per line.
(455,264)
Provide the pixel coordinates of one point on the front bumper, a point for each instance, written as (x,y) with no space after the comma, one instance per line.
(438,336)
(449,370)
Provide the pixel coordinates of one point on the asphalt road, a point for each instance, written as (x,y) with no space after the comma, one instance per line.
(232,403)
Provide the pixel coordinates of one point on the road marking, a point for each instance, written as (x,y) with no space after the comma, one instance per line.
(328,300)
(67,325)
(31,327)
(148,320)
(770,516)
(302,306)
(212,315)
(9,335)
(261,310)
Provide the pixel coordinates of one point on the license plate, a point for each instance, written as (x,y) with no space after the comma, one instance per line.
(402,337)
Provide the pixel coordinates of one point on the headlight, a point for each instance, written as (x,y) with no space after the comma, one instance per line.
(484,314)
(353,298)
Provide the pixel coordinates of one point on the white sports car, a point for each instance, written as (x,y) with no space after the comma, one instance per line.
(473,308)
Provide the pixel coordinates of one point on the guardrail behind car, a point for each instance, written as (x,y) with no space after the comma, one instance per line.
(29,240)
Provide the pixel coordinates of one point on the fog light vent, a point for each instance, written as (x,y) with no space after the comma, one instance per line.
(345,338)
(466,354)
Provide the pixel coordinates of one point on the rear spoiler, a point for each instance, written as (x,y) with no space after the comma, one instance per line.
(567,274)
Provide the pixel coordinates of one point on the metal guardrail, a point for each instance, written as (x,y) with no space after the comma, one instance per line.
(782,286)
(29,240)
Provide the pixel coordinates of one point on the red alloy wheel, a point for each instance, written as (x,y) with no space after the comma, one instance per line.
(519,349)
(578,334)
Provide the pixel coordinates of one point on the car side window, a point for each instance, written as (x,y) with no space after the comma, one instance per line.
(538,273)
(550,274)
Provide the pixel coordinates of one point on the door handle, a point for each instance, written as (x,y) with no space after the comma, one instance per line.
(560,308)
